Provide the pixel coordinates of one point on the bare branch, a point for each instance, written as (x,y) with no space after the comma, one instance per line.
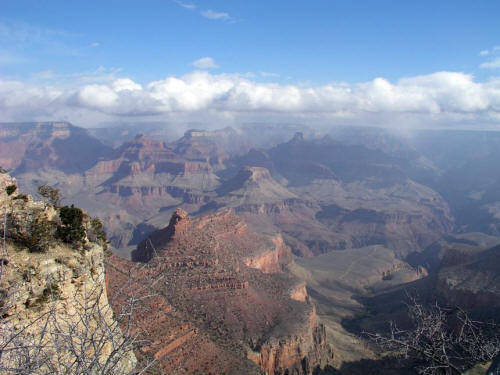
(444,340)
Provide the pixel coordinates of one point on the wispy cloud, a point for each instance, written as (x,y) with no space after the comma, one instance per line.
(22,32)
(35,41)
(492,64)
(186,5)
(486,52)
(210,14)
(205,63)
(99,75)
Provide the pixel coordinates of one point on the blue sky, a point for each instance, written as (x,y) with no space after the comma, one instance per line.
(60,46)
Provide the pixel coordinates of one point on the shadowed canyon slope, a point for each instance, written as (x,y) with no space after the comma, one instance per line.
(48,145)
(348,196)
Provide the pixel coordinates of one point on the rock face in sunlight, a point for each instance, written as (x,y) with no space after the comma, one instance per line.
(229,297)
(53,297)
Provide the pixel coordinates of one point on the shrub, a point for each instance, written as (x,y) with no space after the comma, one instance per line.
(10,189)
(40,235)
(71,229)
(31,229)
(97,234)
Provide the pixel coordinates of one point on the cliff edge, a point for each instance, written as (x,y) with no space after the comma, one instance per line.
(55,316)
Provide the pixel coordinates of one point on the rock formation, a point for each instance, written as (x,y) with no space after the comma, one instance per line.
(321,194)
(48,145)
(229,299)
(55,316)
(471,279)
(349,197)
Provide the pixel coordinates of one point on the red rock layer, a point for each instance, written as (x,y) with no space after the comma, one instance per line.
(226,304)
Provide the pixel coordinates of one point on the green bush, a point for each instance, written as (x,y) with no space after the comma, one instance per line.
(40,235)
(31,229)
(71,229)
(10,189)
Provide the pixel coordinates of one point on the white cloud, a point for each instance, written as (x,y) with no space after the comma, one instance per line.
(442,98)
(493,64)
(205,63)
(210,14)
(123,84)
(186,5)
(97,97)
(492,51)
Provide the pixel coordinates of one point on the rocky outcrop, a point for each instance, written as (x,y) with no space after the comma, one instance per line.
(150,247)
(299,292)
(253,185)
(299,354)
(471,279)
(53,299)
(273,260)
(242,309)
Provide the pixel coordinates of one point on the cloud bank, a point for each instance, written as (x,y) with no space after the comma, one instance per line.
(442,98)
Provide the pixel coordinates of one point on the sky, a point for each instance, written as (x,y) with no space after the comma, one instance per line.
(384,63)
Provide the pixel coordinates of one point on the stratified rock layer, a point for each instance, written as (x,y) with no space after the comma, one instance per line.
(230,305)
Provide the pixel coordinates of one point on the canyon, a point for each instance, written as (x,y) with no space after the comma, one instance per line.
(310,190)
(253,255)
